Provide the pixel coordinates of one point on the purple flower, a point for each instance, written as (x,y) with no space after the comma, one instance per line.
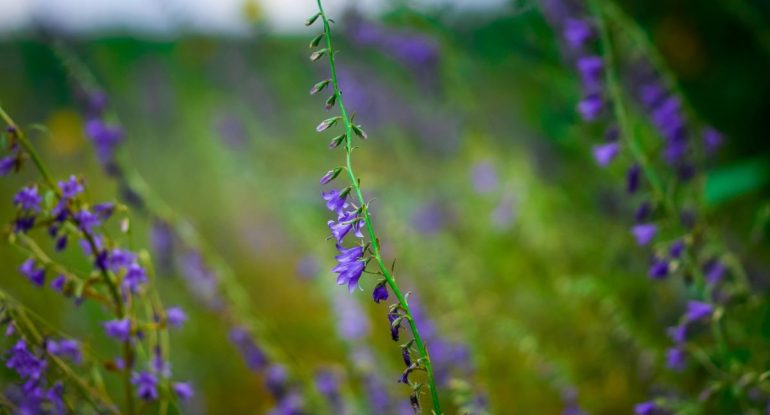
(335,200)
(104,210)
(61,243)
(30,270)
(392,317)
(675,358)
(678,333)
(697,310)
(86,220)
(105,138)
(176,316)
(146,385)
(7,164)
(645,408)
(135,277)
(24,362)
(650,94)
(676,249)
(28,199)
(644,233)
(58,283)
(643,212)
(714,271)
(590,69)
(633,178)
(590,107)
(71,187)
(254,356)
(484,177)
(350,266)
(66,348)
(380,292)
(183,390)
(119,329)
(658,269)
(605,153)
(120,258)
(577,32)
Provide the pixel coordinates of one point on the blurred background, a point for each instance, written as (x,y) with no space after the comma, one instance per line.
(513,241)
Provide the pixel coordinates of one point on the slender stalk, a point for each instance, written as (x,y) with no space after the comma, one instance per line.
(375,245)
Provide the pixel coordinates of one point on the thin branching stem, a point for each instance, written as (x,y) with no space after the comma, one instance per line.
(114,292)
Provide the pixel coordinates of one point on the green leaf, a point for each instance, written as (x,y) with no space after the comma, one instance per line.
(735,180)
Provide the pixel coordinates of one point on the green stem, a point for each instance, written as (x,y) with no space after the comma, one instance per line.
(375,246)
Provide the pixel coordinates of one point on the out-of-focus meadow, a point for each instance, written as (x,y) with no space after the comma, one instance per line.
(483,187)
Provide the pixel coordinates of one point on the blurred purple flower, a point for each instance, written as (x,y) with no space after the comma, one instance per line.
(605,153)
(697,310)
(484,177)
(644,233)
(119,329)
(254,356)
(28,199)
(35,274)
(146,385)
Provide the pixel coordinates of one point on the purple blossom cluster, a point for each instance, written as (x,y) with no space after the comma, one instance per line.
(578,33)
(352,217)
(679,158)
(34,395)
(63,212)
(105,137)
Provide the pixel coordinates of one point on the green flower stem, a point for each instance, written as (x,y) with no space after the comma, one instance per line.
(375,245)
(116,298)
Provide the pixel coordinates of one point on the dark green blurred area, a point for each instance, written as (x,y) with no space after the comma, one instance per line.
(556,296)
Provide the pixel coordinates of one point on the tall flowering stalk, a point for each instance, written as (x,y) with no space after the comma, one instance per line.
(121,280)
(695,253)
(351,260)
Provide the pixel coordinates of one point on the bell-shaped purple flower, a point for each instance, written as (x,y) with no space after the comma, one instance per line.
(71,187)
(675,358)
(183,390)
(658,269)
(28,199)
(350,266)
(590,107)
(176,317)
(644,233)
(146,385)
(335,200)
(34,274)
(118,329)
(577,32)
(697,310)
(605,153)
(380,292)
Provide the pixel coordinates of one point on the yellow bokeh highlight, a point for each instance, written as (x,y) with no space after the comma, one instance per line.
(66,132)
